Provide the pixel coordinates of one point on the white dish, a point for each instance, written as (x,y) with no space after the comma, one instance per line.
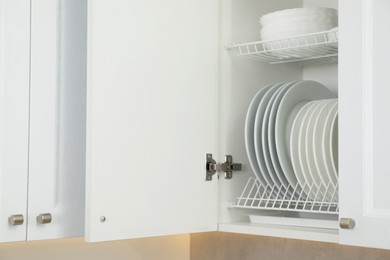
(311,187)
(326,140)
(299,92)
(307,26)
(294,145)
(258,133)
(320,176)
(297,12)
(319,126)
(249,133)
(279,182)
(271,133)
(314,173)
(302,21)
(334,142)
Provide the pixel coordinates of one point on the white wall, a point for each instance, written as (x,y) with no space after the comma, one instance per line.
(326,74)
(157,248)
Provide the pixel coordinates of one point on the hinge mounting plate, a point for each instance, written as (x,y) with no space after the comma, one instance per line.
(227,167)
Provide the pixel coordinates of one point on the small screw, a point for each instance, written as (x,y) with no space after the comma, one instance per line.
(102,218)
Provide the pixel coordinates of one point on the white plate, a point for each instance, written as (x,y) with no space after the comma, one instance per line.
(319,126)
(249,133)
(309,147)
(299,92)
(294,145)
(258,133)
(311,188)
(271,132)
(326,139)
(334,142)
(264,141)
(320,176)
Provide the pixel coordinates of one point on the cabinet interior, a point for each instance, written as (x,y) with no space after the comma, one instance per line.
(241,78)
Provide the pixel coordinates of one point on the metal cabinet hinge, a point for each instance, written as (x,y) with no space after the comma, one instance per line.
(228,167)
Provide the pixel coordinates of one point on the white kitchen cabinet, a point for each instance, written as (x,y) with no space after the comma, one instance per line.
(42,120)
(14,113)
(162,92)
(364,127)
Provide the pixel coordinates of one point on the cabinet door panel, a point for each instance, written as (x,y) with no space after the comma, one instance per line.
(364,125)
(151,117)
(14,106)
(57,128)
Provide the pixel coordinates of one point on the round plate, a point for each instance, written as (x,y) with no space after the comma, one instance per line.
(334,142)
(258,133)
(326,140)
(271,132)
(302,153)
(299,92)
(309,145)
(294,145)
(264,139)
(249,133)
(319,126)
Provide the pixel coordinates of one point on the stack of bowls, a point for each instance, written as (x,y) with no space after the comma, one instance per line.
(298,21)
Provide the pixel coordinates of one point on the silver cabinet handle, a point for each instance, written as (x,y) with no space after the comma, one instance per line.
(44,218)
(347,223)
(16,220)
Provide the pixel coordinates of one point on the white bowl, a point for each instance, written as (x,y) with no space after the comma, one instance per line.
(330,23)
(297,12)
(302,20)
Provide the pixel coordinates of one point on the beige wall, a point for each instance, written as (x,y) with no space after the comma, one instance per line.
(227,246)
(163,248)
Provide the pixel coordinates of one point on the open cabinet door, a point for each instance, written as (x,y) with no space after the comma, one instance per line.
(364,121)
(151,117)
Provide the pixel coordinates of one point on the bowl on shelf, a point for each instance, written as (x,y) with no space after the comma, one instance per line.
(297,13)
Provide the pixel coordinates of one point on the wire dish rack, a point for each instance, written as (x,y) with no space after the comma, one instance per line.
(320,47)
(311,199)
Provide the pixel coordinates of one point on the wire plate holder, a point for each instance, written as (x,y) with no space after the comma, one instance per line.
(227,167)
(320,47)
(323,199)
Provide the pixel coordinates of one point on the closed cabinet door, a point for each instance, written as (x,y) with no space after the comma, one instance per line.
(364,105)
(57,119)
(151,117)
(14,117)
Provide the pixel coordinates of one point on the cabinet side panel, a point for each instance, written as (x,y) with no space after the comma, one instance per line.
(14,109)
(151,117)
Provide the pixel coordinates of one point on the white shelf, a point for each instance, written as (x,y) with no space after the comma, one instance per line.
(311,199)
(320,47)
(301,233)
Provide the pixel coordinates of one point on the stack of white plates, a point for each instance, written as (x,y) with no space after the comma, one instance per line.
(299,21)
(272,116)
(313,148)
